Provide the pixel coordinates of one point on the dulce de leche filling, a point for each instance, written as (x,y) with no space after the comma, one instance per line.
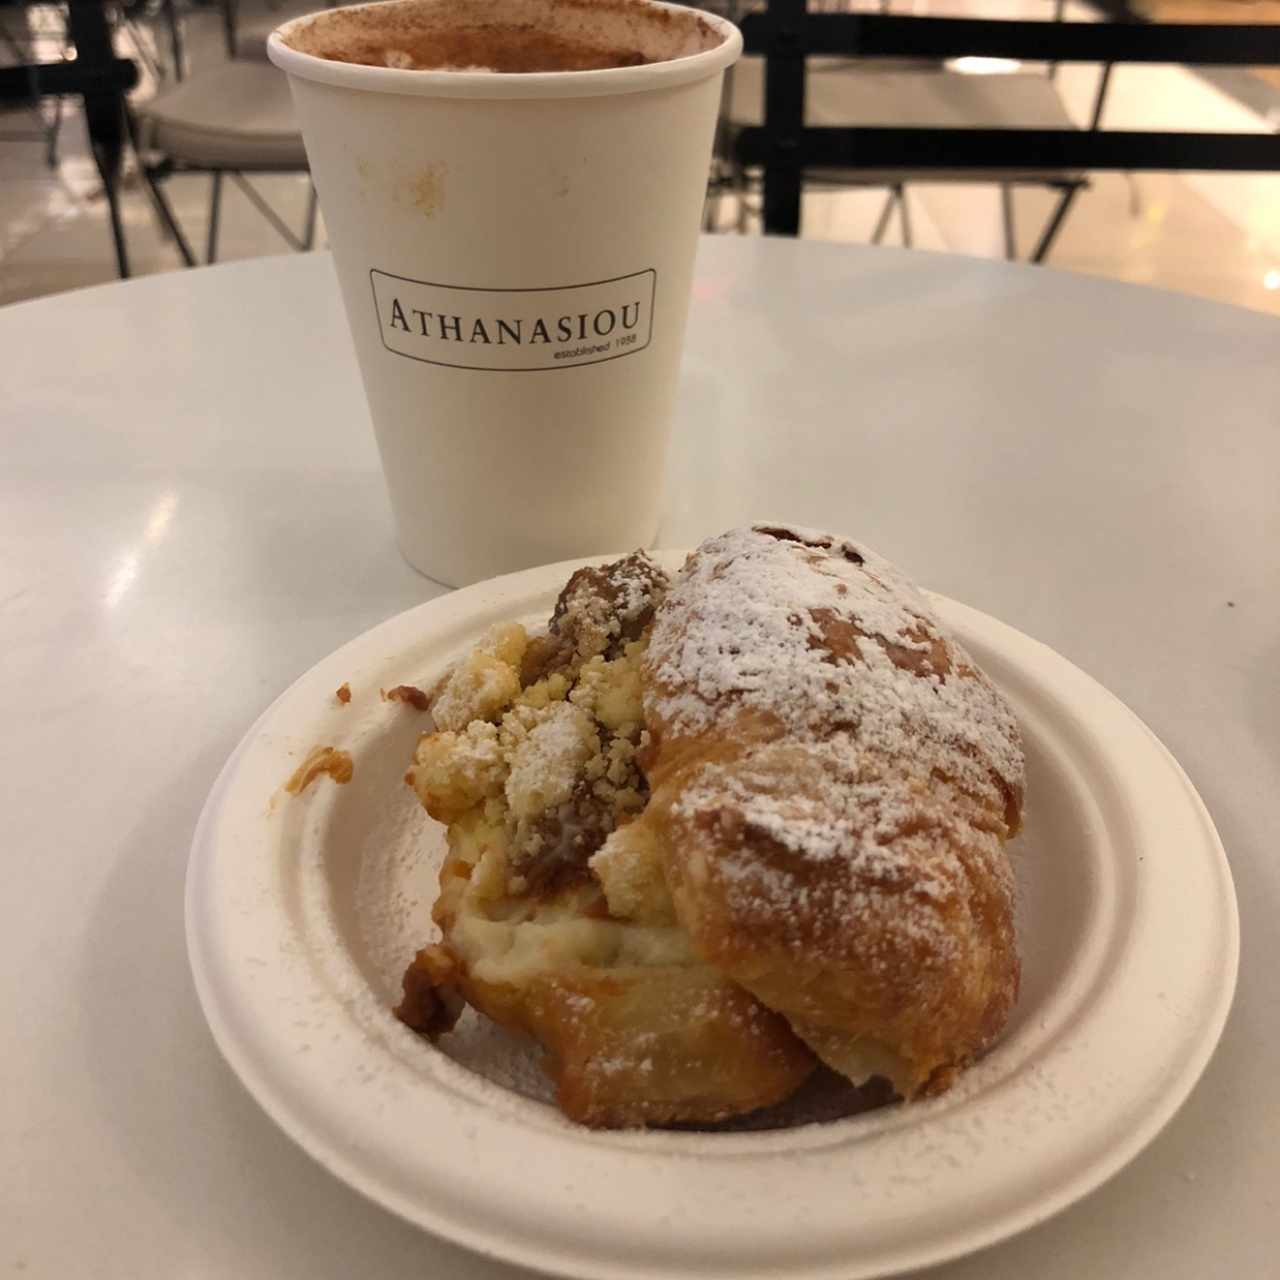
(508,36)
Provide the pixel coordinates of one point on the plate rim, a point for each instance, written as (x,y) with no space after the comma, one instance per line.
(562,1259)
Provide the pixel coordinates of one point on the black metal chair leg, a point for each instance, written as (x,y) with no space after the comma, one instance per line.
(215,210)
(282,229)
(104,122)
(882,222)
(159,203)
(176,50)
(51,137)
(1050,233)
(741,189)
(117,226)
(166,214)
(1006,213)
(710,206)
(904,215)
(313,205)
(782,189)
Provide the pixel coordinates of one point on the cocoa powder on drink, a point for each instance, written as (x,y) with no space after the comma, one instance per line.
(515,36)
(518,49)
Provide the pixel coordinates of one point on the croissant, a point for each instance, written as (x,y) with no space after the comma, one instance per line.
(703,835)
(832,784)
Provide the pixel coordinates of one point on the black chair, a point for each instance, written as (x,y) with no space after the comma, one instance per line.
(897,92)
(102,79)
(784,148)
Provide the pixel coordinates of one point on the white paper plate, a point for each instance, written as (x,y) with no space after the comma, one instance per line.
(301,913)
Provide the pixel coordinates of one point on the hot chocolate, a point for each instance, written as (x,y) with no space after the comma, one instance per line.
(506,48)
(514,36)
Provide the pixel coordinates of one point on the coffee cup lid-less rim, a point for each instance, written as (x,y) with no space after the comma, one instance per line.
(609,81)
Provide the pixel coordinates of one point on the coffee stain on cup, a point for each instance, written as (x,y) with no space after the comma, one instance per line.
(424,190)
(363,178)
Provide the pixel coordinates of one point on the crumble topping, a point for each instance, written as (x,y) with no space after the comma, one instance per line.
(544,732)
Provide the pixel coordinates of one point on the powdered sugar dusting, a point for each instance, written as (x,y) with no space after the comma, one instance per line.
(547,762)
(874,738)
(637,578)
(830,640)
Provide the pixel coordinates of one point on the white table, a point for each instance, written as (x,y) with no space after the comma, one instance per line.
(191,514)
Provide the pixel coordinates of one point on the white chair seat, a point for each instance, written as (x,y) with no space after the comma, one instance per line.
(843,93)
(235,116)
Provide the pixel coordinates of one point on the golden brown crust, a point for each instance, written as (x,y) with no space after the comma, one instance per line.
(431,1001)
(933,993)
(650,1045)
(629,1045)
(841,857)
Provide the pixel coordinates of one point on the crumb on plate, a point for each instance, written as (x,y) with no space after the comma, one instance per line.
(409,693)
(337,764)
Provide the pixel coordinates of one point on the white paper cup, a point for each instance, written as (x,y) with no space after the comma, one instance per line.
(515,253)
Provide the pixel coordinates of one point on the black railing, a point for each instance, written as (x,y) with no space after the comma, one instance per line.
(784,147)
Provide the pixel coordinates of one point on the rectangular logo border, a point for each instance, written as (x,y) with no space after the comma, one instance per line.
(556,288)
